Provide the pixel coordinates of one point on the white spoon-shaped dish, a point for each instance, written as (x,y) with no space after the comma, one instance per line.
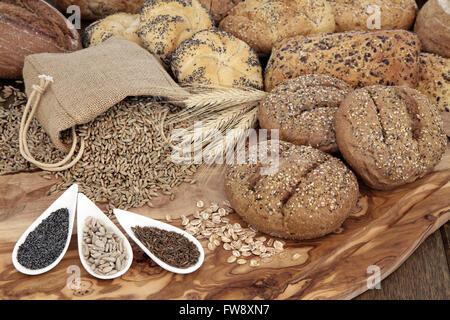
(86,208)
(128,220)
(67,200)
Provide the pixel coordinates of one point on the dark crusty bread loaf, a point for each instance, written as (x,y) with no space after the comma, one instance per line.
(435,79)
(359,58)
(310,195)
(28,27)
(303,109)
(390,136)
(97,9)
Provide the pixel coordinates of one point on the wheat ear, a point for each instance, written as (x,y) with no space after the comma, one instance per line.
(232,137)
(210,100)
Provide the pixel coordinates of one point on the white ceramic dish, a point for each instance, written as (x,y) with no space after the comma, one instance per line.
(128,220)
(86,208)
(67,200)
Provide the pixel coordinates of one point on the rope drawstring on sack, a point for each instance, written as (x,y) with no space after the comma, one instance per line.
(28,114)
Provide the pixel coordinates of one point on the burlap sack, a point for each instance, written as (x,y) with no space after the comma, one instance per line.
(88,82)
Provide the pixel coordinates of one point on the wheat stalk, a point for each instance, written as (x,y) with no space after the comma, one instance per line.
(223,96)
(206,101)
(222,147)
(219,122)
(221,110)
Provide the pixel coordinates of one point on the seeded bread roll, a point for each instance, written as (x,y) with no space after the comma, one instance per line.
(309,196)
(390,136)
(359,58)
(353,15)
(219,8)
(433,27)
(119,24)
(303,109)
(262,23)
(216,58)
(98,9)
(435,79)
(165,24)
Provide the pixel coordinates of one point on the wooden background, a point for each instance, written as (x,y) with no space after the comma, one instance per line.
(387,229)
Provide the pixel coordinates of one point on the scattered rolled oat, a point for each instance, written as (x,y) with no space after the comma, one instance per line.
(296,256)
(211,223)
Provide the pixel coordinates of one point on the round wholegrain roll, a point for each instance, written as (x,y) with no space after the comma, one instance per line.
(216,58)
(310,195)
(390,136)
(362,14)
(119,24)
(302,110)
(435,79)
(263,23)
(164,24)
(433,27)
(98,9)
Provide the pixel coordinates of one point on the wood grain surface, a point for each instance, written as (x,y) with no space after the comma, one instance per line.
(333,267)
(424,275)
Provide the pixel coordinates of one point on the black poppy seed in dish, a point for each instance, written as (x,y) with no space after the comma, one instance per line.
(44,244)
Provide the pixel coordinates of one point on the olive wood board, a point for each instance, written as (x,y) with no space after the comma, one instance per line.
(385,231)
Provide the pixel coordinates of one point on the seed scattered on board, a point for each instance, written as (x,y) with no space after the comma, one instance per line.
(212,223)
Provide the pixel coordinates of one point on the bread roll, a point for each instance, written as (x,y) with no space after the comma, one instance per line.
(32,26)
(262,23)
(98,9)
(216,58)
(309,196)
(390,136)
(433,27)
(359,58)
(435,80)
(302,110)
(119,24)
(353,15)
(219,8)
(164,24)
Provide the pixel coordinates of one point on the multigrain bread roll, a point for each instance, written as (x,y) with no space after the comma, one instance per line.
(216,58)
(302,110)
(219,8)
(359,58)
(361,14)
(165,24)
(390,136)
(435,79)
(98,9)
(433,27)
(119,24)
(262,23)
(309,196)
